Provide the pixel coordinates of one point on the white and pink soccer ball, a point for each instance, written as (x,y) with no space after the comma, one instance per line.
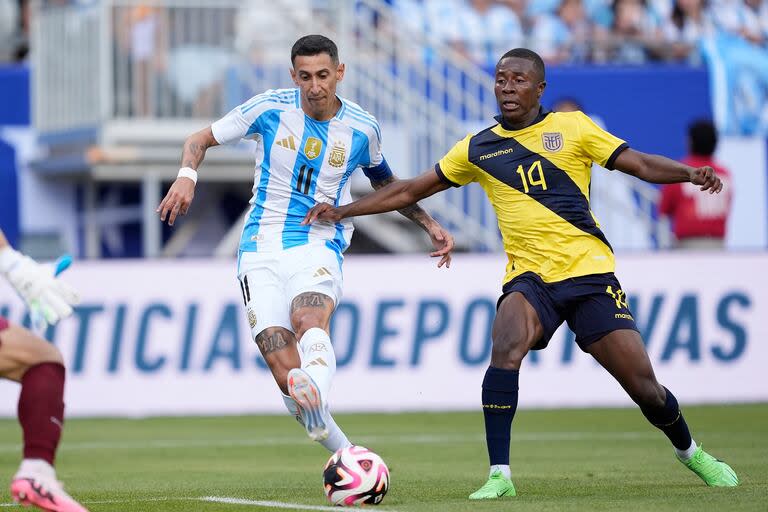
(355,476)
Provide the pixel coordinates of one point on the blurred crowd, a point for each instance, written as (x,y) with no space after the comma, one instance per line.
(14,30)
(159,47)
(577,31)
(562,31)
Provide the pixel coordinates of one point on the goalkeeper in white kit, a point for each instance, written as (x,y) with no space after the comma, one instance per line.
(37,365)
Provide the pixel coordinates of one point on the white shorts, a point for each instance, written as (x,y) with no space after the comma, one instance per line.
(269,282)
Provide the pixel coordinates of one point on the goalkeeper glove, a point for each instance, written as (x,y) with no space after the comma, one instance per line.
(48,299)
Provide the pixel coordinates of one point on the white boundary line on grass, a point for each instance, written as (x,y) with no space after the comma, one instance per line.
(215,499)
(271,504)
(363,440)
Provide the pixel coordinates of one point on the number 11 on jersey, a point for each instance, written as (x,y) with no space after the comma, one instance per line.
(303,185)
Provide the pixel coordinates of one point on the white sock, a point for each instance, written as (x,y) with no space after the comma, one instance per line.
(685,455)
(504,468)
(319,360)
(35,467)
(336,438)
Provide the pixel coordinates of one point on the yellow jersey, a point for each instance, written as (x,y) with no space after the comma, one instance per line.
(537,180)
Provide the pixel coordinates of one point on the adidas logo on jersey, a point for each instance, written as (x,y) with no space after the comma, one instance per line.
(318,362)
(288,143)
(322,271)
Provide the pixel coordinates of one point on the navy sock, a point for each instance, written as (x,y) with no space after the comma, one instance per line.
(670,420)
(499,406)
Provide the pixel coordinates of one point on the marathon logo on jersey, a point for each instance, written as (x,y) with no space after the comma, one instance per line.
(552,141)
(313,147)
(338,155)
(496,153)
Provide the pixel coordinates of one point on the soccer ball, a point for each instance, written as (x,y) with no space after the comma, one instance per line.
(355,476)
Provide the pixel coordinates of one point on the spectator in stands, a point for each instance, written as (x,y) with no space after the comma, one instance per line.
(633,32)
(520,8)
(9,25)
(483,29)
(567,104)
(759,10)
(564,35)
(741,18)
(144,29)
(699,220)
(688,23)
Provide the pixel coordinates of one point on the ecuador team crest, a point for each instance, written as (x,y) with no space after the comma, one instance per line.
(313,147)
(552,141)
(338,154)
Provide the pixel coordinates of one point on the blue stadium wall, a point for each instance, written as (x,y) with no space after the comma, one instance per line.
(650,107)
(14,111)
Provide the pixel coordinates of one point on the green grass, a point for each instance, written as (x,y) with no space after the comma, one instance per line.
(595,459)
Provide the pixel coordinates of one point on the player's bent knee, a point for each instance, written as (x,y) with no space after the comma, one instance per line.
(21,349)
(306,321)
(508,352)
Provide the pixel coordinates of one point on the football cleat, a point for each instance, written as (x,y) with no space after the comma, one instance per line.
(306,394)
(496,487)
(42,490)
(714,472)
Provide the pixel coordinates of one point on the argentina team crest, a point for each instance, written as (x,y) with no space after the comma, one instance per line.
(251,318)
(313,147)
(552,141)
(338,155)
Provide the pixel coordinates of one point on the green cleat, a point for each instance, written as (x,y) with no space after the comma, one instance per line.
(497,486)
(715,473)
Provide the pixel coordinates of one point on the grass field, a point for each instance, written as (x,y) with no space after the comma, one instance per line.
(596,459)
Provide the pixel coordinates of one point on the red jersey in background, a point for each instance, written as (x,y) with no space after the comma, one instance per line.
(697,214)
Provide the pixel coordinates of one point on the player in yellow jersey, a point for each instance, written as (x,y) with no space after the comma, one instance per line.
(535,168)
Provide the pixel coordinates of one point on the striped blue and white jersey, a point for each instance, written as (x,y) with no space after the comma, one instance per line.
(300,162)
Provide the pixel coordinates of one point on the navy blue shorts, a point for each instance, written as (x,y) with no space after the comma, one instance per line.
(592,305)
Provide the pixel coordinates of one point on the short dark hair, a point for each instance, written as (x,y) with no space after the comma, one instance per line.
(530,55)
(703,137)
(314,44)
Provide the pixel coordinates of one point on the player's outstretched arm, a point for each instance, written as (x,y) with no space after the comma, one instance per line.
(660,169)
(442,240)
(179,197)
(392,197)
(396,195)
(49,299)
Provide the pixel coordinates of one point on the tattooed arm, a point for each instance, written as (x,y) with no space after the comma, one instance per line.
(181,193)
(414,212)
(195,147)
(442,240)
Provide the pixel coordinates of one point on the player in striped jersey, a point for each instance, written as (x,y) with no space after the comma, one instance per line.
(309,142)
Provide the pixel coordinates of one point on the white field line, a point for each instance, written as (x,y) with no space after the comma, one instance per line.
(270,504)
(214,499)
(363,440)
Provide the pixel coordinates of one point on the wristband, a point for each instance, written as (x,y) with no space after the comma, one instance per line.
(188,172)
